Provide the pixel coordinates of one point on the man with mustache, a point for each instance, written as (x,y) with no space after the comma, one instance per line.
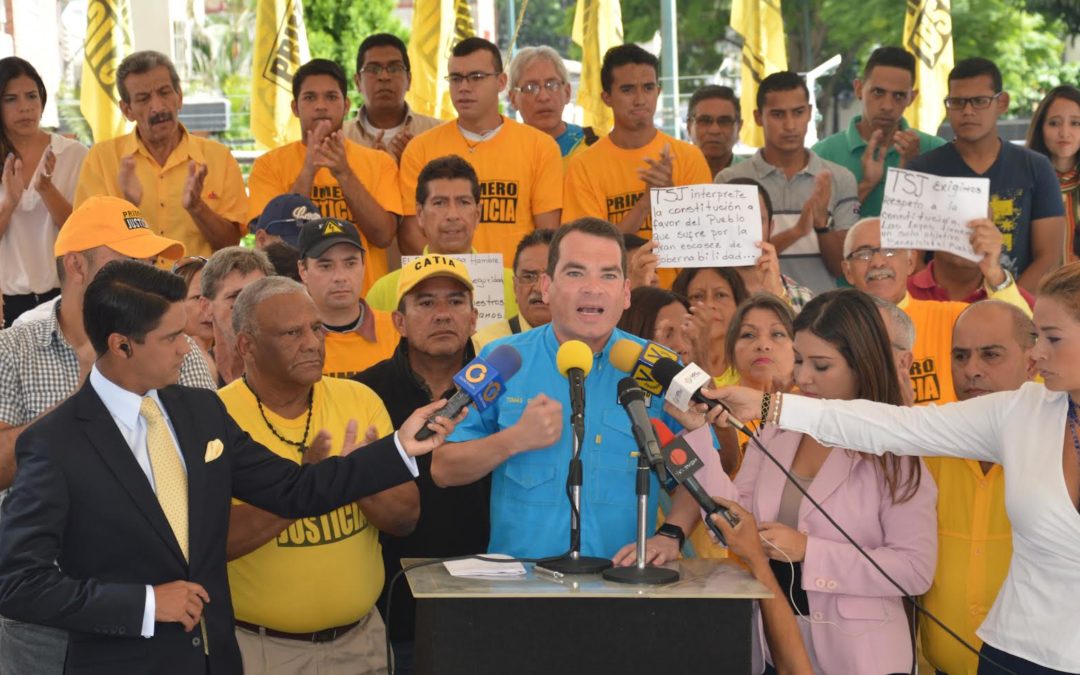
(530,260)
(188,188)
(713,123)
(345,180)
(883,273)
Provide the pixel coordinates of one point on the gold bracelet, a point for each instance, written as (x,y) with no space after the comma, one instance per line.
(766,400)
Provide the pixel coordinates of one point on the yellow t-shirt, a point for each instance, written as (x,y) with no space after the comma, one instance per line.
(349,353)
(974,549)
(520,172)
(275,172)
(163,186)
(318,572)
(931,369)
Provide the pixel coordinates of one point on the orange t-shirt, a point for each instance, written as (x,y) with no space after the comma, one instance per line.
(275,172)
(520,172)
(350,353)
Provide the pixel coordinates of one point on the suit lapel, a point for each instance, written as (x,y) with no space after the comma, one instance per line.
(783,448)
(830,476)
(193,448)
(103,434)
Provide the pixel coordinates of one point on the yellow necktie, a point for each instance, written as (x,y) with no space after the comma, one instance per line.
(169,475)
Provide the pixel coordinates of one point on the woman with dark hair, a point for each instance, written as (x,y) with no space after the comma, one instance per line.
(1034,433)
(720,290)
(664,317)
(1055,132)
(40,170)
(758,344)
(852,619)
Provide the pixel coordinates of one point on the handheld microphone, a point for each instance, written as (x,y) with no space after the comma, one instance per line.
(480,382)
(631,357)
(574,361)
(684,385)
(632,398)
(681,460)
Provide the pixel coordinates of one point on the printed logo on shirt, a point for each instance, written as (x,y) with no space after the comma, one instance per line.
(925,381)
(331,202)
(338,525)
(498,201)
(1004,210)
(619,205)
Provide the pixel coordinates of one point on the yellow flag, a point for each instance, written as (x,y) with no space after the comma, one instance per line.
(928,35)
(107,42)
(761,26)
(597,28)
(437,26)
(281,47)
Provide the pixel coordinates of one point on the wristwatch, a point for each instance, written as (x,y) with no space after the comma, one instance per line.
(1003,285)
(824,230)
(673,531)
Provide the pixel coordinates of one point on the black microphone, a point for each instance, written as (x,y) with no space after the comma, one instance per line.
(480,382)
(683,463)
(632,398)
(683,385)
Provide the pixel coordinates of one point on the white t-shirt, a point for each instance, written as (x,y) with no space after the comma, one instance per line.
(27,263)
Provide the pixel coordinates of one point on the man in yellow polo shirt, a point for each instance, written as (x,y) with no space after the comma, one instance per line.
(519,167)
(188,188)
(304,590)
(991,351)
(448,211)
(332,269)
(345,180)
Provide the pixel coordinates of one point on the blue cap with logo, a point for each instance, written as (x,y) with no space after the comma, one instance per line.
(284,215)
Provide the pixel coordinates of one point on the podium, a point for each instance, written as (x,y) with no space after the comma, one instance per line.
(536,625)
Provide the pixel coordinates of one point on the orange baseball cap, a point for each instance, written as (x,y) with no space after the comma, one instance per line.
(118,224)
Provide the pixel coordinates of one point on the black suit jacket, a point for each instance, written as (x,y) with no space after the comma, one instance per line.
(82,532)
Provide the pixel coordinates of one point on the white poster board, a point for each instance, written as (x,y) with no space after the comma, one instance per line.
(923,212)
(486,270)
(706,225)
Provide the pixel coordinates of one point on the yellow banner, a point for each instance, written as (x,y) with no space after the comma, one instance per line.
(597,28)
(281,47)
(761,25)
(437,26)
(107,42)
(928,35)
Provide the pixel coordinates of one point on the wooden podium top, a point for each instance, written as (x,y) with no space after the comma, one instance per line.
(698,578)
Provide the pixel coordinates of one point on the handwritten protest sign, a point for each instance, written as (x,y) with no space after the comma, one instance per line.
(706,225)
(486,270)
(925,212)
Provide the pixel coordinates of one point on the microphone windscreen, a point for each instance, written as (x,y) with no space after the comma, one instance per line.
(574,354)
(663,433)
(665,370)
(624,354)
(505,360)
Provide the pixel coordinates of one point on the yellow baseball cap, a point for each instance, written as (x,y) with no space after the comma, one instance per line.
(429,266)
(116,223)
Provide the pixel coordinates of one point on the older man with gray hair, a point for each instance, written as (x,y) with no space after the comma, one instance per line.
(228,272)
(540,90)
(189,188)
(304,590)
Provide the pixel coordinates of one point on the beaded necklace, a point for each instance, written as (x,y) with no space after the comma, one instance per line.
(301,446)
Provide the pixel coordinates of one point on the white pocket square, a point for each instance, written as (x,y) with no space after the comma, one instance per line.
(213,450)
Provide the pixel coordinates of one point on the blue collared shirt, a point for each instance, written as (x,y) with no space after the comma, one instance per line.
(530,512)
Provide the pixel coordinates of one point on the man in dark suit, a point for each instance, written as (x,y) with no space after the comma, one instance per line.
(115,528)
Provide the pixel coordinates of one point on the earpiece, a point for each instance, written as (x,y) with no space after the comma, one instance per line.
(126,348)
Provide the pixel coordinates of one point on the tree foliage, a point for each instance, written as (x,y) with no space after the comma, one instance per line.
(336,28)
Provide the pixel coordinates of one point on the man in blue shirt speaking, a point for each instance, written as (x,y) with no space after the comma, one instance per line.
(523,439)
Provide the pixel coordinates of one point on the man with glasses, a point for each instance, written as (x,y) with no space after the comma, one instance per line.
(1025,197)
(383,76)
(713,123)
(530,261)
(883,273)
(880,137)
(540,90)
(611,179)
(519,167)
(345,180)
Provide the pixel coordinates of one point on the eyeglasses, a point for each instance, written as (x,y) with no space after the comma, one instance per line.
(189,260)
(724,122)
(377,69)
(977,102)
(476,77)
(533,88)
(528,278)
(866,253)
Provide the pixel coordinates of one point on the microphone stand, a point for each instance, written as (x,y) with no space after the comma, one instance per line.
(574,562)
(640,573)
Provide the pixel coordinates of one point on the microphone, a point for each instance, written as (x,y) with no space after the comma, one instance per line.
(574,361)
(632,398)
(638,360)
(681,460)
(684,385)
(480,382)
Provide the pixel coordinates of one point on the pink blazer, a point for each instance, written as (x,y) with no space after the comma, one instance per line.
(870,634)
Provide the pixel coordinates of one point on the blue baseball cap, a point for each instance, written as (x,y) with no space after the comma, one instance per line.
(284,215)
